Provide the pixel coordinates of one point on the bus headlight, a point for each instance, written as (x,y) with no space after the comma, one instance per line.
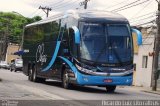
(83,69)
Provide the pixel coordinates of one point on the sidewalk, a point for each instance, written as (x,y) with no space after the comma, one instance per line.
(142,89)
(148,90)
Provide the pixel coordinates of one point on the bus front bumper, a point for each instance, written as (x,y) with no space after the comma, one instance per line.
(94,80)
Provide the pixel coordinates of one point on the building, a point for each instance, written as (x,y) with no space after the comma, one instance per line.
(10,50)
(143,57)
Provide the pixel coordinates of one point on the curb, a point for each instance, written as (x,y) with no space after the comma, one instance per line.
(154,92)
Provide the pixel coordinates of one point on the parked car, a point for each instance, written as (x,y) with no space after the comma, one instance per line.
(4,64)
(16,65)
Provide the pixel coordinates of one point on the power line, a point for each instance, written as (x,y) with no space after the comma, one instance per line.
(73,3)
(142,19)
(152,21)
(145,23)
(126,5)
(150,17)
(142,9)
(143,15)
(117,4)
(131,6)
(69,6)
(62,4)
(55,3)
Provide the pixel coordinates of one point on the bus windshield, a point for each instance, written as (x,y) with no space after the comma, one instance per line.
(105,43)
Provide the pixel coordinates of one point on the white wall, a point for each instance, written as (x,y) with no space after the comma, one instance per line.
(143,75)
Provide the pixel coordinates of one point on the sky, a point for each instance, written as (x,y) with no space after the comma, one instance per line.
(29,8)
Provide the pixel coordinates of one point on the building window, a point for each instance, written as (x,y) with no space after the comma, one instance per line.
(144,61)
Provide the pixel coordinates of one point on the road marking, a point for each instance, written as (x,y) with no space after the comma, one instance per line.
(49,96)
(40,92)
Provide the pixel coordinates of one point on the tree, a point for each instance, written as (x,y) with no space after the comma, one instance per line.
(11,29)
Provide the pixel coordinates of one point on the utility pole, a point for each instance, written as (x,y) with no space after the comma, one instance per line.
(46,10)
(84,3)
(21,42)
(4,42)
(5,46)
(156,51)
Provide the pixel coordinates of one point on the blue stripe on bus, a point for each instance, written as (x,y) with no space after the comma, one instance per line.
(96,80)
(53,57)
(73,68)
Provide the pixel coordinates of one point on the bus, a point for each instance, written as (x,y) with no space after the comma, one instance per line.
(80,47)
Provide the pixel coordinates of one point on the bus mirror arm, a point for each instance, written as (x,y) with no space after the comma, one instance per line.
(76,35)
(139,36)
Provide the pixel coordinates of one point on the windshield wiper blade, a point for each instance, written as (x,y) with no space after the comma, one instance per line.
(101,52)
(117,56)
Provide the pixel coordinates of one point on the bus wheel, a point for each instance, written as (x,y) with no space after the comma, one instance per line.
(110,88)
(35,79)
(65,80)
(30,75)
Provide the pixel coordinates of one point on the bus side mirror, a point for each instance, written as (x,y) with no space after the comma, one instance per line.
(139,36)
(76,34)
(19,53)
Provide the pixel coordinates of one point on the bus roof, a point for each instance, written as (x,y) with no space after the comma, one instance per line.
(84,14)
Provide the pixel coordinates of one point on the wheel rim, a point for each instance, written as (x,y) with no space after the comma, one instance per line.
(65,79)
(34,75)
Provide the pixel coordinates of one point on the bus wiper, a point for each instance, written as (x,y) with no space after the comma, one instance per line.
(117,56)
(101,52)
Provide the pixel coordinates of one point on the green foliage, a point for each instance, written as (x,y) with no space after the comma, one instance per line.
(12,23)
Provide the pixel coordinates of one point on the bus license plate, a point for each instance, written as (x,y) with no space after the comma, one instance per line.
(108,80)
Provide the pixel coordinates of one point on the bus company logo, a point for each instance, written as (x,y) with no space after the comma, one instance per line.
(40,57)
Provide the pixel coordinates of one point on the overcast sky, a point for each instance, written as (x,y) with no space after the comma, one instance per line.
(29,8)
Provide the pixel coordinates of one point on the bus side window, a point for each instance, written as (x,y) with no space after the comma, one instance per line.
(65,42)
(72,45)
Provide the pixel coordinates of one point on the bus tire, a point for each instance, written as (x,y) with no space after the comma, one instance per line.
(110,88)
(65,80)
(30,74)
(35,78)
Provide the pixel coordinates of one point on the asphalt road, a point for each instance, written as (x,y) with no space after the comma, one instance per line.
(15,88)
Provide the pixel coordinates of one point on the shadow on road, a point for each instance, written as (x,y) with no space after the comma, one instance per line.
(87,89)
